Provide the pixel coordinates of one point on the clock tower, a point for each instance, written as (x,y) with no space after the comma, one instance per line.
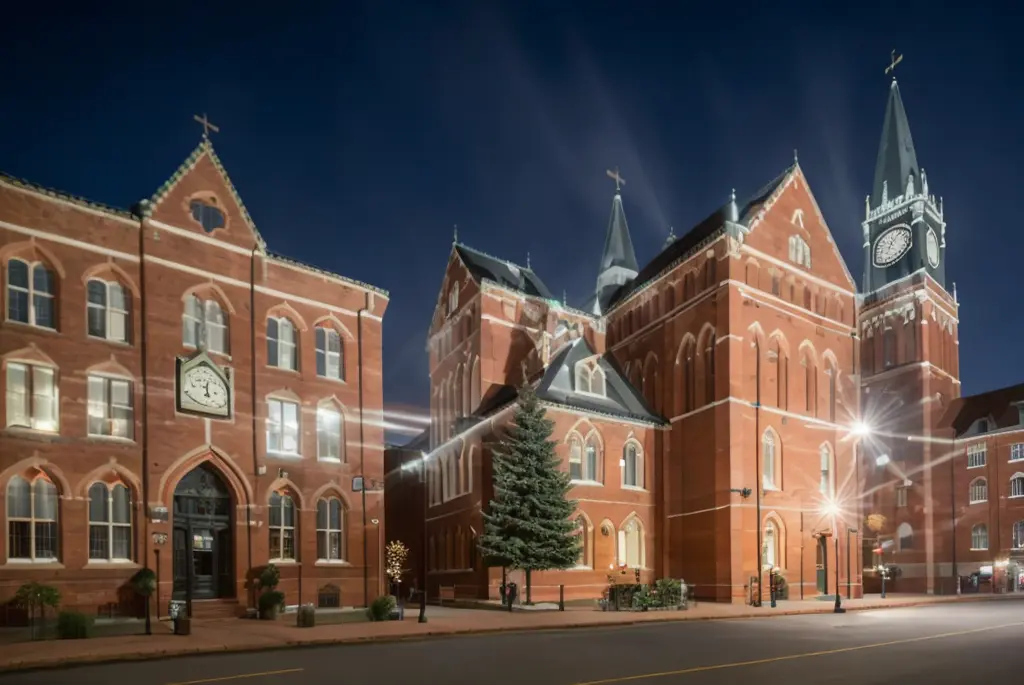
(909,368)
(904,229)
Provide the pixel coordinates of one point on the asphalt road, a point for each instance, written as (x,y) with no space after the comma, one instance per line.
(936,645)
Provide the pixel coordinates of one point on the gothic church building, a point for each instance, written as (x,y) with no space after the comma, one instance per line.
(733,407)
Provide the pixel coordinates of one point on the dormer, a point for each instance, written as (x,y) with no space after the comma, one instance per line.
(981,426)
(590,379)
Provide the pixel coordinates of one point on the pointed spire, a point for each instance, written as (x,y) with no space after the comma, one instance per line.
(896,164)
(796,156)
(618,260)
(733,211)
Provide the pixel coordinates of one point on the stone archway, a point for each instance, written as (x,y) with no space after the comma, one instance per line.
(203,535)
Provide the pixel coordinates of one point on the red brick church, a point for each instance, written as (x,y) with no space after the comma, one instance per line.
(179,397)
(734,406)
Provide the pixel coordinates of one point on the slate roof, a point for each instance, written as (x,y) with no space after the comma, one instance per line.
(618,247)
(682,247)
(999,405)
(897,158)
(556,385)
(67,197)
(506,274)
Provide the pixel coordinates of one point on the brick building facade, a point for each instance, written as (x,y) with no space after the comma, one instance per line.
(177,396)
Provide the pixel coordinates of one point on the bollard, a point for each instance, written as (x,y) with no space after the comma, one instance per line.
(561,598)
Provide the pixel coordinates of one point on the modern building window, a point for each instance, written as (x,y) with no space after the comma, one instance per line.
(32,520)
(1017,485)
(329,434)
(110,522)
(979,536)
(32,397)
(282,426)
(31,294)
(976,455)
(204,317)
(111,412)
(979,491)
(281,345)
(329,357)
(330,530)
(107,310)
(282,527)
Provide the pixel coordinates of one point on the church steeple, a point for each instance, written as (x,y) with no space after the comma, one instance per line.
(618,261)
(904,231)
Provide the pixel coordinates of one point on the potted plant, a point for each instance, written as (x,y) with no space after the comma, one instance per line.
(271,599)
(36,596)
(144,583)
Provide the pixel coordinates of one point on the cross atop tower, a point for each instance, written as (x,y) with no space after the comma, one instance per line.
(207,125)
(615,176)
(893,61)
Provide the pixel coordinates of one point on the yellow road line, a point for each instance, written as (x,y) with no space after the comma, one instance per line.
(237,677)
(790,657)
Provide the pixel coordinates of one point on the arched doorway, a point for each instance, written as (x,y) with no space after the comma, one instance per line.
(203,544)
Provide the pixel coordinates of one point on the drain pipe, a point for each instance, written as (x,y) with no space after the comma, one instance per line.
(143,210)
(758,477)
(253,407)
(362,463)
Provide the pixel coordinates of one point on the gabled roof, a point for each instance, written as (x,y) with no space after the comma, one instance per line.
(999,405)
(683,246)
(897,158)
(506,274)
(618,247)
(67,197)
(557,385)
(205,147)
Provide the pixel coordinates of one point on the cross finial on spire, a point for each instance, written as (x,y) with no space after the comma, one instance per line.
(528,261)
(615,176)
(455,236)
(207,126)
(893,61)
(796,156)
(565,298)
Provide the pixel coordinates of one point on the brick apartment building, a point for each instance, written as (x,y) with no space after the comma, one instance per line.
(177,396)
(787,422)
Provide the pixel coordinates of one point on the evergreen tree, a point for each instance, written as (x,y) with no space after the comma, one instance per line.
(527,524)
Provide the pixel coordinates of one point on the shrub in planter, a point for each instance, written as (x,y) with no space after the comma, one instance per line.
(380,608)
(306,616)
(73,625)
(270,604)
(144,582)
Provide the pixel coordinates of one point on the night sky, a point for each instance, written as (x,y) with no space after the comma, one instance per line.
(359,135)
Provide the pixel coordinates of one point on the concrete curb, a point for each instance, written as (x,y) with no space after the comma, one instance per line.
(766,612)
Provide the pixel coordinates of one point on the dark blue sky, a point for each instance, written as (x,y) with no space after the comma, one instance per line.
(359,135)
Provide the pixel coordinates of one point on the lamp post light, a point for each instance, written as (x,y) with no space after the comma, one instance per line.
(423,540)
(832,509)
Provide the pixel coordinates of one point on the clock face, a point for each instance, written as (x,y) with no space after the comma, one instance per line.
(202,387)
(932,248)
(892,245)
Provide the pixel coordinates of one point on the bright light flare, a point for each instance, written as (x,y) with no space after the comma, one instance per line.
(882,460)
(831,508)
(861,429)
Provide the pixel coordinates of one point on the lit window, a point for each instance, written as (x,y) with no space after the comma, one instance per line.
(282,427)
(282,527)
(330,536)
(329,445)
(110,523)
(825,486)
(30,294)
(328,354)
(32,397)
(281,344)
(110,407)
(107,310)
(31,520)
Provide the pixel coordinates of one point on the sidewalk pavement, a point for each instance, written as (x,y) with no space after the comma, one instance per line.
(240,635)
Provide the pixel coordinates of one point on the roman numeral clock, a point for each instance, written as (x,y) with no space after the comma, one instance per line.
(204,387)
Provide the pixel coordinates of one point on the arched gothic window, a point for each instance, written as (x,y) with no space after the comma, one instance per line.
(768,461)
(330,530)
(281,344)
(110,523)
(282,527)
(979,536)
(632,466)
(32,533)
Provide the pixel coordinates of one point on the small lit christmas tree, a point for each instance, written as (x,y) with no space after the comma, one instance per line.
(396,555)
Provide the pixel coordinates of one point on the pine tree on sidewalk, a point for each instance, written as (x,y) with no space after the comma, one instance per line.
(527,524)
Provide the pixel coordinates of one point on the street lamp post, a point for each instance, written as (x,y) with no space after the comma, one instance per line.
(839,604)
(423,542)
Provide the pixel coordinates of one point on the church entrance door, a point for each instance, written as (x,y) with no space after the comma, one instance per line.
(203,543)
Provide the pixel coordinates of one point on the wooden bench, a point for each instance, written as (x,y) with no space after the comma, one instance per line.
(446,592)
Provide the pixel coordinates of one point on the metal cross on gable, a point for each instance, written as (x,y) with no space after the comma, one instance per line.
(893,61)
(207,125)
(615,176)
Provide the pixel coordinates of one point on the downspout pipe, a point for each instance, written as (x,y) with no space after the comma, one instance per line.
(362,449)
(254,414)
(758,478)
(142,212)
